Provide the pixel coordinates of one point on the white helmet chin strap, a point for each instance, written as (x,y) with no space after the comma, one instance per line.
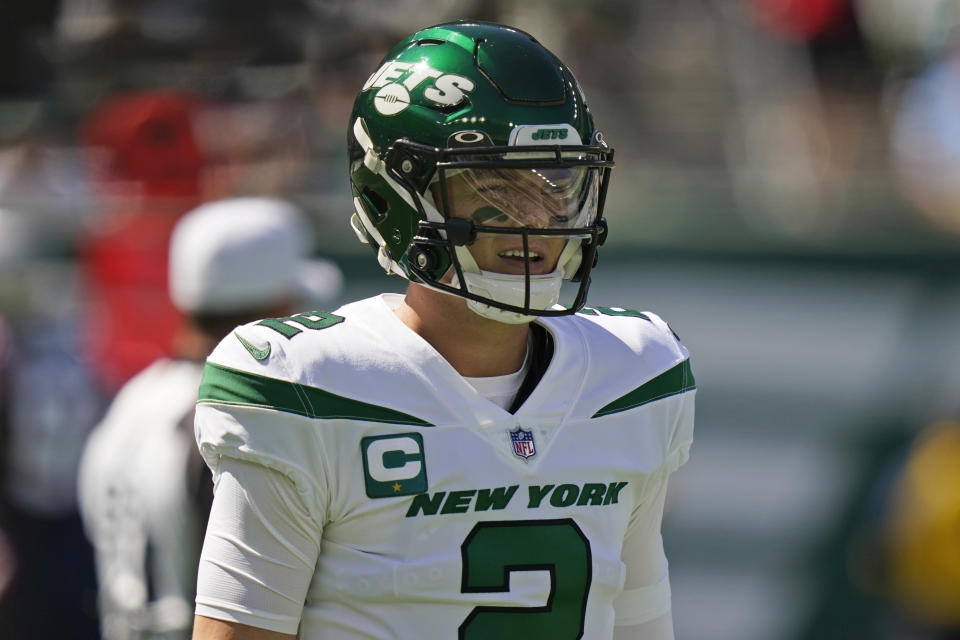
(508,289)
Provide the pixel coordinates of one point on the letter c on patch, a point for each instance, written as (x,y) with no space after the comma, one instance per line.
(381,453)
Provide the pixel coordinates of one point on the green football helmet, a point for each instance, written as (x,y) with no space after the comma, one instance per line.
(486,110)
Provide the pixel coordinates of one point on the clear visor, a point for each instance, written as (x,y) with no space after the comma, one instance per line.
(541,198)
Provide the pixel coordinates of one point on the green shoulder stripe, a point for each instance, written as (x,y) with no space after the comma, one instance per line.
(669,383)
(224,385)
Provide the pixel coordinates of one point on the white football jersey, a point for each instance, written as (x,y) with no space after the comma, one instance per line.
(444,515)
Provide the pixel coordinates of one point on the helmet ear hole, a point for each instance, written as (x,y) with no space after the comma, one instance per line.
(377,203)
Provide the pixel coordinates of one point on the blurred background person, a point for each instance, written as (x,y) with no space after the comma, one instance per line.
(51,402)
(145,165)
(144,490)
(920,553)
(51,398)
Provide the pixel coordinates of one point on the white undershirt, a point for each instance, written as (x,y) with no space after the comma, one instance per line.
(501,390)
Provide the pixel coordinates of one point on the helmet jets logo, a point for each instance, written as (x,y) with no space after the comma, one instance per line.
(395,80)
(391,99)
(549,134)
(525,134)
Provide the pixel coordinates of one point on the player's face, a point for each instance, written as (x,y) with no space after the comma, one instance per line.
(509,199)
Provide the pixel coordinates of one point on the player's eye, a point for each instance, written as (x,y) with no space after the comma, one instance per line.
(487,215)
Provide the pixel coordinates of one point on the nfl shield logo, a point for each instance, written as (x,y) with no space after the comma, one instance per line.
(523,443)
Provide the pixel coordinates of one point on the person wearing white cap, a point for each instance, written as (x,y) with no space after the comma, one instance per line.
(144,491)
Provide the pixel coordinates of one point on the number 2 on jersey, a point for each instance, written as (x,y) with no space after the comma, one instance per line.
(308,320)
(492,550)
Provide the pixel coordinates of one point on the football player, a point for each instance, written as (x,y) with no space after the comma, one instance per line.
(484,456)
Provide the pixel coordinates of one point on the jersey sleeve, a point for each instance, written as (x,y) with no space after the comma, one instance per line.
(259,552)
(646,589)
(666,392)
(270,484)
(684,385)
(653,373)
(660,628)
(681,435)
(245,412)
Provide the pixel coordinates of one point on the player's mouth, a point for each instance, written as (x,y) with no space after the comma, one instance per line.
(515,258)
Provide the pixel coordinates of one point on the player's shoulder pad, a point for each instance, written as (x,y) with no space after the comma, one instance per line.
(641,330)
(641,359)
(264,347)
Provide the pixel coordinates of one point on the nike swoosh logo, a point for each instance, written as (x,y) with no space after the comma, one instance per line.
(258,354)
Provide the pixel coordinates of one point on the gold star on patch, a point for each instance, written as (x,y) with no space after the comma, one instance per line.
(396,487)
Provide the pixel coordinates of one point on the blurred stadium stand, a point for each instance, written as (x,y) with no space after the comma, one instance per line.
(786,196)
